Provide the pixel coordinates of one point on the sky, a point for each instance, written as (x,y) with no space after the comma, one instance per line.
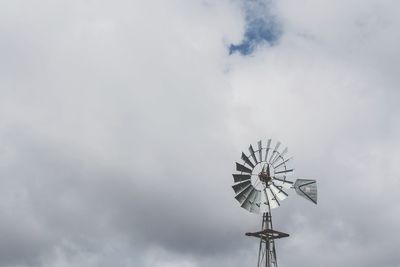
(120,123)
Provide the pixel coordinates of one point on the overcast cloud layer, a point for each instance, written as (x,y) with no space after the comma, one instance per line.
(120,124)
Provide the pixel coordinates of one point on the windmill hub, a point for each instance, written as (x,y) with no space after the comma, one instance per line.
(262,176)
(265,175)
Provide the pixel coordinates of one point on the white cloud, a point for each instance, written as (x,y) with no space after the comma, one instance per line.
(120,124)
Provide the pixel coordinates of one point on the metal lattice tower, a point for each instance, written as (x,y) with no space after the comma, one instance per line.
(267,252)
(259,187)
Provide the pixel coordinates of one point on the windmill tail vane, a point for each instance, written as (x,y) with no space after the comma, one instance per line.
(259,186)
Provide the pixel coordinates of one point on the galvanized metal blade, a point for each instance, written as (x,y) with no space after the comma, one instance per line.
(247,202)
(274,151)
(253,155)
(274,196)
(241,177)
(280,156)
(247,160)
(241,168)
(278,192)
(273,203)
(260,150)
(240,186)
(282,163)
(284,171)
(282,182)
(267,149)
(255,202)
(241,197)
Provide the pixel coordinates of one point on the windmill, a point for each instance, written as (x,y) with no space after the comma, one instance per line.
(260,186)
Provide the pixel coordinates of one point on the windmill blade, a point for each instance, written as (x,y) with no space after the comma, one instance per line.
(240,186)
(255,207)
(283,162)
(242,196)
(253,155)
(274,151)
(282,182)
(241,177)
(274,196)
(280,155)
(267,149)
(273,203)
(284,171)
(260,149)
(278,192)
(257,200)
(264,198)
(246,159)
(247,203)
(241,168)
(307,189)
(283,153)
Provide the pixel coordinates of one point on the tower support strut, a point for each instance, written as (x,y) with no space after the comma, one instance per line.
(267,235)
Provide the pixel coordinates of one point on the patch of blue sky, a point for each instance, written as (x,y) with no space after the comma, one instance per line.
(262,28)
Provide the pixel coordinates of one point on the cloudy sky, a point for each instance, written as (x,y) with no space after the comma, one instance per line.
(120,122)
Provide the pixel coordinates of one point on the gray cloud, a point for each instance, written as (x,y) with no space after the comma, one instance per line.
(120,125)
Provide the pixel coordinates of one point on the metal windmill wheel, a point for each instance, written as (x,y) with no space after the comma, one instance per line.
(260,186)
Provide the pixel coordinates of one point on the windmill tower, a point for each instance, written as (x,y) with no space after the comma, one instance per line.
(260,186)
